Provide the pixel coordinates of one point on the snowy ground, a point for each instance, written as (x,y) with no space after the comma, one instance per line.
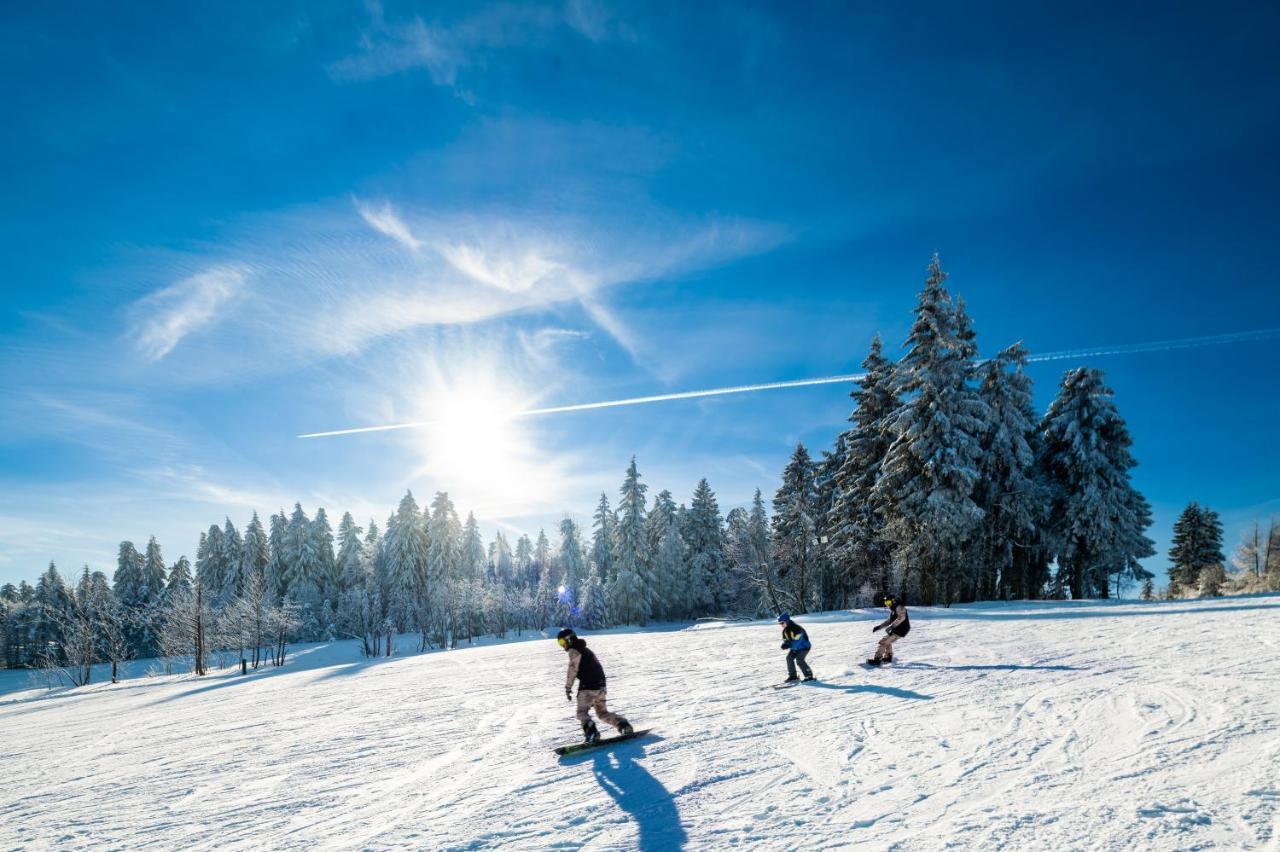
(1030,726)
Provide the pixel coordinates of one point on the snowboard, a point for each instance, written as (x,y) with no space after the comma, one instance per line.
(790,683)
(578,748)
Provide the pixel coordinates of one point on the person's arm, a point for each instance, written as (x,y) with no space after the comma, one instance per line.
(575,657)
(882,625)
(899,615)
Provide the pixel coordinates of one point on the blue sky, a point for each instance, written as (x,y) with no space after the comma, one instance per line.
(227,225)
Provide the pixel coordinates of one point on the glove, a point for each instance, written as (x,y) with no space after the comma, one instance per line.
(877,628)
(568,693)
(786,645)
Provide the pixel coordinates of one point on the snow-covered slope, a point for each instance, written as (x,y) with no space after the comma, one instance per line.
(1028,726)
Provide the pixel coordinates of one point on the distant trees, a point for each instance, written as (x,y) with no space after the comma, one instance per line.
(1196,549)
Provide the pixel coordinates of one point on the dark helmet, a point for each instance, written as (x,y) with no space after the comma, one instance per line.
(566,637)
(784,618)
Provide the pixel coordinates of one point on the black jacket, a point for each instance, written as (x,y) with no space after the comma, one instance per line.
(590,673)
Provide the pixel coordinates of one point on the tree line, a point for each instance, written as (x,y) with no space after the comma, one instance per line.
(945,487)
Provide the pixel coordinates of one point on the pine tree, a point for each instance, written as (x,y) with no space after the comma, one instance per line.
(325,565)
(602,540)
(631,594)
(1197,545)
(153,574)
(832,581)
(277,574)
(1008,491)
(927,480)
(179,578)
(404,548)
(473,557)
(855,526)
(1148,590)
(232,556)
(255,553)
(444,559)
(520,565)
(1094,520)
(671,572)
(301,569)
(703,533)
(595,603)
(573,564)
(211,574)
(794,546)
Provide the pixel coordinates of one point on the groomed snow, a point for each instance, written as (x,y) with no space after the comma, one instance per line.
(1019,726)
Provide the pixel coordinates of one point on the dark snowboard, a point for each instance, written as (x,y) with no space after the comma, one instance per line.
(577,748)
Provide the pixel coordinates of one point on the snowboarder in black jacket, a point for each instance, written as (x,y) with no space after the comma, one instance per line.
(795,641)
(586,669)
(898,624)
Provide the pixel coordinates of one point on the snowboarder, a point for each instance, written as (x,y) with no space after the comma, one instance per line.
(898,624)
(584,667)
(795,641)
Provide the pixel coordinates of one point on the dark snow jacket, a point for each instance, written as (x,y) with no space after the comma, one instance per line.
(794,637)
(898,622)
(584,667)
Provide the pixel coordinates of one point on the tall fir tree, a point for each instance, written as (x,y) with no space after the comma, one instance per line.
(277,576)
(1009,490)
(232,556)
(926,484)
(404,546)
(1092,521)
(794,546)
(855,525)
(573,563)
(1197,545)
(703,532)
(603,523)
(631,595)
(255,553)
(473,557)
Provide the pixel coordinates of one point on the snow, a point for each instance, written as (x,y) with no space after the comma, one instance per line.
(1100,725)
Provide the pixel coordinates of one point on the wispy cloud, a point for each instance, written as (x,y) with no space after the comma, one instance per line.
(445,47)
(386,221)
(166,316)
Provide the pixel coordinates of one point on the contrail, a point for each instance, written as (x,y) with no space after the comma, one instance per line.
(1066,354)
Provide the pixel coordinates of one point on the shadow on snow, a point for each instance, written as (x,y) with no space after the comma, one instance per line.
(891,691)
(638,794)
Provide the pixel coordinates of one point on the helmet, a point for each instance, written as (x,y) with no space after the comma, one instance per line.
(566,637)
(887,599)
(784,618)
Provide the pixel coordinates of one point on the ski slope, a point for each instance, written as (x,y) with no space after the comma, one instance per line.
(1066,725)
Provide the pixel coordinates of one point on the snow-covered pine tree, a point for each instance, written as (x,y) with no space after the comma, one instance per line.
(255,553)
(404,549)
(668,575)
(631,594)
(1085,463)
(573,562)
(51,604)
(473,557)
(444,560)
(1008,489)
(301,569)
(925,488)
(1134,545)
(595,603)
(277,575)
(671,573)
(179,577)
(325,566)
(153,574)
(352,581)
(511,572)
(1148,592)
(232,555)
(517,568)
(833,591)
(794,544)
(855,527)
(211,573)
(702,529)
(603,523)
(128,585)
(1197,545)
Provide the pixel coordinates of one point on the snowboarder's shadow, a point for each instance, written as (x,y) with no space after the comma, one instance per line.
(1003,667)
(874,688)
(640,795)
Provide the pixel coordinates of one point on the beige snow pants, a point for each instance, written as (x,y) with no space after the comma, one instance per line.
(884,651)
(594,699)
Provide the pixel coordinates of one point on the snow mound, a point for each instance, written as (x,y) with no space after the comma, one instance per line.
(1100,725)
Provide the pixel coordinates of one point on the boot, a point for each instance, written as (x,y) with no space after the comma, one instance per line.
(624,728)
(791,679)
(809,677)
(874,661)
(590,732)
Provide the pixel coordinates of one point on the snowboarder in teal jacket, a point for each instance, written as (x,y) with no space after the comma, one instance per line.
(795,641)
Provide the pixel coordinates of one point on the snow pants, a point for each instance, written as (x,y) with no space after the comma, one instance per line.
(794,657)
(594,699)
(884,651)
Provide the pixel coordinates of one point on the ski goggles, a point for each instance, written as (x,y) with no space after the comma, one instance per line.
(563,642)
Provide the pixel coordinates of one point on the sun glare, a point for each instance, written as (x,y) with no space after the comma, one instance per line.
(480,453)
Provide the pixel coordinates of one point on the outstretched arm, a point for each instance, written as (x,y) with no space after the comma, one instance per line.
(575,657)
